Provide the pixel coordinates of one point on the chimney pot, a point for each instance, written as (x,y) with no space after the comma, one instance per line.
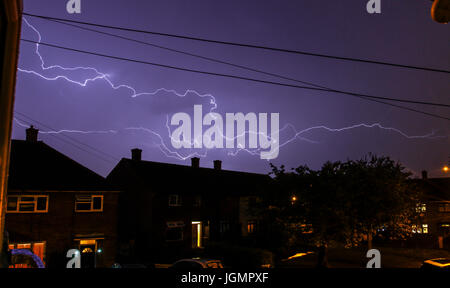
(424,174)
(195,162)
(136,154)
(217,164)
(32,134)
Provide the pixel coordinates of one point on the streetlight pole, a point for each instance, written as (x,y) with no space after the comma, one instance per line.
(10,25)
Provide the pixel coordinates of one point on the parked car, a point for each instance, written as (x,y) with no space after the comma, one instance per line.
(437,263)
(196,263)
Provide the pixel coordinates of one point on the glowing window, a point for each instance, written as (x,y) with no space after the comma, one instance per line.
(444,207)
(251,226)
(87,242)
(87,250)
(421,208)
(419,229)
(37,248)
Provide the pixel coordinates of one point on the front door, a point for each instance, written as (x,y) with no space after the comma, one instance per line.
(196,234)
(88,249)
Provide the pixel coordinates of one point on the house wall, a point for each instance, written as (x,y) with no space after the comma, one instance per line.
(61,225)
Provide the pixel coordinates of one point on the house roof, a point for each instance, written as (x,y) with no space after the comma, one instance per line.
(435,189)
(178,177)
(37,166)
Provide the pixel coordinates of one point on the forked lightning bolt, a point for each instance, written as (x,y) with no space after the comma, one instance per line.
(212,101)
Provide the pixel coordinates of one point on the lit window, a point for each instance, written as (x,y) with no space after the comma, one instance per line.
(421,208)
(174,200)
(38,248)
(87,250)
(444,207)
(419,229)
(89,203)
(251,226)
(27,204)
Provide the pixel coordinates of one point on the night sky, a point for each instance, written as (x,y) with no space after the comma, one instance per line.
(113,121)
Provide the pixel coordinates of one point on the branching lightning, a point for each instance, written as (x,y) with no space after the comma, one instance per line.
(297,135)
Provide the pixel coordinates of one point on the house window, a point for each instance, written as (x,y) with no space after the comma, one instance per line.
(251,226)
(27,204)
(38,248)
(224,227)
(175,231)
(421,208)
(89,203)
(198,201)
(444,207)
(419,229)
(174,200)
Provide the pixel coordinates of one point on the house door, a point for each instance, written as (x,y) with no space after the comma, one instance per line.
(88,249)
(196,234)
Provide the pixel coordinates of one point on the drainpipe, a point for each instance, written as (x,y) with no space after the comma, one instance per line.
(10,25)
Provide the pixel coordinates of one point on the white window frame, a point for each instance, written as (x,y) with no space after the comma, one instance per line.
(177,203)
(35,197)
(197,201)
(420,228)
(175,225)
(92,204)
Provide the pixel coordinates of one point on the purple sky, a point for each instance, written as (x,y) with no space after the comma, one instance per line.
(404,33)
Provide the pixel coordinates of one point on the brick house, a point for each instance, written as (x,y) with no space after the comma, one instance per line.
(169,211)
(55,204)
(432,224)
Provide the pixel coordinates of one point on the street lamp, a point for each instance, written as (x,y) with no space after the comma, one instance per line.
(445,169)
(440,12)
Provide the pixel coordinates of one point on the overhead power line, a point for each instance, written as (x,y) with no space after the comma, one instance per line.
(367,61)
(234,76)
(233,65)
(231,76)
(69,140)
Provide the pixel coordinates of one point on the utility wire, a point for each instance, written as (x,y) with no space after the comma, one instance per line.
(246,45)
(235,77)
(33,121)
(230,64)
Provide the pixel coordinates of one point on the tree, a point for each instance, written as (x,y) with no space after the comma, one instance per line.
(381,198)
(343,202)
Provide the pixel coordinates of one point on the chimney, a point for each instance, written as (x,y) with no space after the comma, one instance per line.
(195,162)
(32,134)
(424,174)
(217,164)
(136,154)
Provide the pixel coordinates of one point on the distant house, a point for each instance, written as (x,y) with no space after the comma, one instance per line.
(55,204)
(433,221)
(167,210)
